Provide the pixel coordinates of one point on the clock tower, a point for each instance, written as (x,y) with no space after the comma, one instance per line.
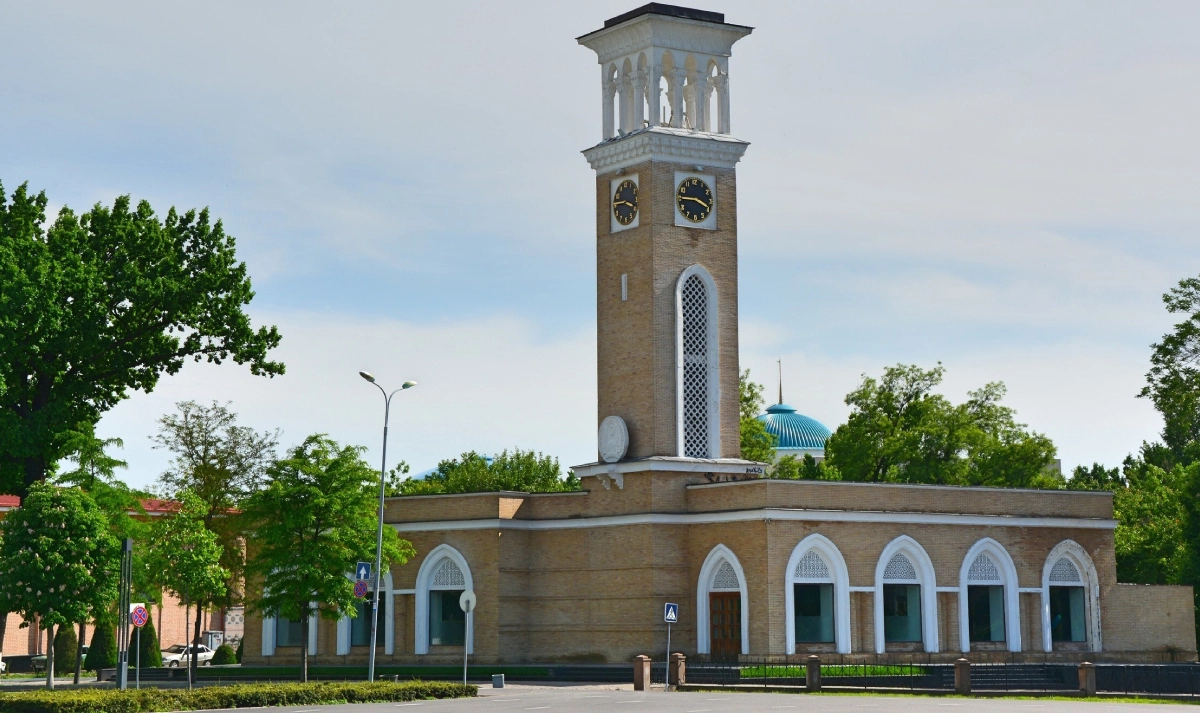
(666,236)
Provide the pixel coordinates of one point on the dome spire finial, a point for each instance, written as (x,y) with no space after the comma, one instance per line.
(780,363)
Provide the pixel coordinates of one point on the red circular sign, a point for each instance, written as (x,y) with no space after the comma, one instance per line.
(360,588)
(139,616)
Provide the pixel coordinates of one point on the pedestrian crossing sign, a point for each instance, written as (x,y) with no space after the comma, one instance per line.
(671,613)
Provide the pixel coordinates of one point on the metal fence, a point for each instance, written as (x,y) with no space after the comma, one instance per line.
(1174,679)
(909,675)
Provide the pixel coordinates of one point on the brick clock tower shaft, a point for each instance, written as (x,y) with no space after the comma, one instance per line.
(666,236)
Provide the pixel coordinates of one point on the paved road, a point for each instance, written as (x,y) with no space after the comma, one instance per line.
(599,699)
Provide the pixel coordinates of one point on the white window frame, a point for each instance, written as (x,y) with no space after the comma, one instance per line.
(1079,557)
(716,557)
(424,576)
(712,348)
(269,629)
(840,578)
(926,578)
(1012,597)
(387,599)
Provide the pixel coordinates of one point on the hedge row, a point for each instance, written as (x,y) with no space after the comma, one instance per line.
(240,696)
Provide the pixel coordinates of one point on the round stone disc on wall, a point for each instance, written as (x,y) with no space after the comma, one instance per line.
(614,439)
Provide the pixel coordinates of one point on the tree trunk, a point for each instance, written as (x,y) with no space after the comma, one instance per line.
(195,644)
(3,631)
(303,647)
(50,657)
(79,653)
(35,471)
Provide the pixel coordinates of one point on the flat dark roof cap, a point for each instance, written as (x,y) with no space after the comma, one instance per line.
(658,8)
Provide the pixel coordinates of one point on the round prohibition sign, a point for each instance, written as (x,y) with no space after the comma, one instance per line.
(360,588)
(139,616)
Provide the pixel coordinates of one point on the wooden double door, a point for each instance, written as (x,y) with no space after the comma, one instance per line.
(725,624)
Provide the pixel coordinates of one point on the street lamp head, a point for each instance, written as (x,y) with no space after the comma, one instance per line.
(408,384)
(367,375)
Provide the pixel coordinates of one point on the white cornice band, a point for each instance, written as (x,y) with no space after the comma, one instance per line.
(765,514)
(672,464)
(664,143)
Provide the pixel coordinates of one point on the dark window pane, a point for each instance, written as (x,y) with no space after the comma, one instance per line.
(360,626)
(985,612)
(813,612)
(1067,614)
(288,633)
(447,621)
(901,612)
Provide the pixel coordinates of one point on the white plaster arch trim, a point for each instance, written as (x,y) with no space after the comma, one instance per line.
(716,557)
(387,599)
(1074,553)
(712,350)
(916,554)
(1012,598)
(429,567)
(840,576)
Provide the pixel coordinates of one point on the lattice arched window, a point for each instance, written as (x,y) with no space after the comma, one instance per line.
(905,599)
(698,385)
(816,597)
(448,576)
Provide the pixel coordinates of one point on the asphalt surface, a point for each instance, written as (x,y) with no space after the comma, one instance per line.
(600,699)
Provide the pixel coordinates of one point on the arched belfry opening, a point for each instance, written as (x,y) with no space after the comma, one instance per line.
(698,365)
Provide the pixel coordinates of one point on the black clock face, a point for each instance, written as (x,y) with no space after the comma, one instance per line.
(694,199)
(625,205)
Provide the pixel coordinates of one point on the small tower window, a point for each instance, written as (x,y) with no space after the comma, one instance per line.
(695,368)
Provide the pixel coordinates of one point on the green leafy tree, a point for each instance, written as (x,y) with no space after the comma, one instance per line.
(315,519)
(520,471)
(99,304)
(66,645)
(148,651)
(224,656)
(58,561)
(102,653)
(757,443)
(790,467)
(221,463)
(1097,477)
(189,556)
(899,430)
(1173,382)
(240,648)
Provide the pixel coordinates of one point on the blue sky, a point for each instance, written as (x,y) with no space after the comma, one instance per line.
(1004,187)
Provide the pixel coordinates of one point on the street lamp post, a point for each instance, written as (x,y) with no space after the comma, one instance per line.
(387,406)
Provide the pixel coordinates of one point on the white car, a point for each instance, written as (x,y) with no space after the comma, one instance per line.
(180,655)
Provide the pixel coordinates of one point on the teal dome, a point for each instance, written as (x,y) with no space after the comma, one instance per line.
(794,431)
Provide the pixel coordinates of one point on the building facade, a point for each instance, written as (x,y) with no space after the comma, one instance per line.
(671,513)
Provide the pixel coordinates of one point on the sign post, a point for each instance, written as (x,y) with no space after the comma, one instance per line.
(123,615)
(467,602)
(138,617)
(671,616)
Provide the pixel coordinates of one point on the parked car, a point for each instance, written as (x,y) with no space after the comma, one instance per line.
(177,653)
(38,663)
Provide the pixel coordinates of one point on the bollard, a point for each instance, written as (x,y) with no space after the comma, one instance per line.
(677,670)
(641,673)
(962,677)
(812,673)
(1087,678)
(497,680)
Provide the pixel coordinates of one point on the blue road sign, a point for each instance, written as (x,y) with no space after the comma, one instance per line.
(363,571)
(671,613)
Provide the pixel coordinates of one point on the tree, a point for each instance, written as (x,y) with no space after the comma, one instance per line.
(66,645)
(1173,382)
(224,656)
(189,556)
(106,302)
(102,653)
(807,468)
(58,561)
(221,463)
(312,523)
(148,651)
(900,431)
(1096,477)
(757,443)
(95,474)
(521,471)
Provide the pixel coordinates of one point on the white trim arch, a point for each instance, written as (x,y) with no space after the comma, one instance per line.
(923,566)
(1006,576)
(704,585)
(429,567)
(387,599)
(839,577)
(711,358)
(1074,553)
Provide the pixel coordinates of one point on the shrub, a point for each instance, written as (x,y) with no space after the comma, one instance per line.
(224,656)
(241,645)
(103,651)
(147,647)
(66,645)
(210,697)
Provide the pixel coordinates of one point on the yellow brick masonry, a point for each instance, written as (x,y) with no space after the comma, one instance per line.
(578,592)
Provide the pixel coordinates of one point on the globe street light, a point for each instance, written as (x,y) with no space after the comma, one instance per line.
(387,406)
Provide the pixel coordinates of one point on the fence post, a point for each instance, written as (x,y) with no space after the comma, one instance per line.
(962,677)
(1087,678)
(641,673)
(812,674)
(676,670)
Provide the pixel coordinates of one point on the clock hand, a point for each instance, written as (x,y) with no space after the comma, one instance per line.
(689,198)
(623,203)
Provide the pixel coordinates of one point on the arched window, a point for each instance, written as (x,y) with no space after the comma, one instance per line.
(722,607)
(441,580)
(356,631)
(697,365)
(1070,598)
(905,597)
(279,632)
(817,596)
(988,597)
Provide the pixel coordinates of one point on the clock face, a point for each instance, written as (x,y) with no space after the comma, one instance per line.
(694,199)
(625,205)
